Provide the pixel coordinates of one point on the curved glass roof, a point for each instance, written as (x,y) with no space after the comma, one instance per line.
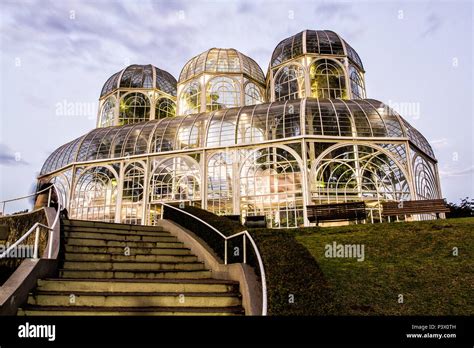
(327,118)
(313,41)
(222,60)
(141,76)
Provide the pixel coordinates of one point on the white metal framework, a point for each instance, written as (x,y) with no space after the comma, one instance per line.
(227,148)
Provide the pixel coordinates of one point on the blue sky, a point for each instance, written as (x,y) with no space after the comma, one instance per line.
(418,57)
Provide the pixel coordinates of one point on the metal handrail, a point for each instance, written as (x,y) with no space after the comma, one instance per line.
(4,202)
(245,234)
(36,227)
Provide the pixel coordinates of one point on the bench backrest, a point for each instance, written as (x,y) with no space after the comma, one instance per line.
(337,211)
(424,206)
(256,221)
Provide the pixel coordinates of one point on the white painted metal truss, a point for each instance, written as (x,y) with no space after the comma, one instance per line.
(225,149)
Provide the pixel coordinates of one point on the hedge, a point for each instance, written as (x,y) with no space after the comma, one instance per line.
(295,282)
(224,225)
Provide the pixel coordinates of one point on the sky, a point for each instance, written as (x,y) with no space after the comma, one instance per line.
(55,57)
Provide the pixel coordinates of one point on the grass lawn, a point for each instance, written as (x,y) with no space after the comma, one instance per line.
(413,259)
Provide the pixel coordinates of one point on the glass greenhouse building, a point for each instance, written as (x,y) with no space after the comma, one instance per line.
(231,140)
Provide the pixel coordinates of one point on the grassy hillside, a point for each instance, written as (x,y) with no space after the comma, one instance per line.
(413,259)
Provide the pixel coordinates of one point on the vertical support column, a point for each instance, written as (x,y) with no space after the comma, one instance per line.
(72,187)
(411,179)
(202,81)
(145,192)
(306,183)
(438,183)
(203,166)
(235,182)
(118,203)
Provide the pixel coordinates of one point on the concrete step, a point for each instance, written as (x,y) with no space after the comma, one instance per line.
(127,285)
(158,232)
(127,311)
(124,265)
(164,243)
(134,299)
(109,225)
(71,256)
(114,250)
(135,274)
(120,237)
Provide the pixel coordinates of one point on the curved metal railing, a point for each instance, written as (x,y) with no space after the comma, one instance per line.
(245,235)
(37,226)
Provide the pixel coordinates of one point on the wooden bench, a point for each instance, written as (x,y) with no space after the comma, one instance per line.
(257,221)
(235,218)
(425,206)
(336,212)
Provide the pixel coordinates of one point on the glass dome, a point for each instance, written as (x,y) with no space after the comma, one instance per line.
(222,60)
(323,42)
(141,76)
(239,126)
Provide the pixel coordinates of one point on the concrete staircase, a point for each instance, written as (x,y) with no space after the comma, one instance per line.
(119,269)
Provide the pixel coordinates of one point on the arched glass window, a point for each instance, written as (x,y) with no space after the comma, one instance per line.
(134,107)
(190,99)
(289,83)
(220,183)
(252,94)
(270,185)
(327,80)
(164,107)
(222,92)
(132,194)
(107,116)
(95,195)
(357,84)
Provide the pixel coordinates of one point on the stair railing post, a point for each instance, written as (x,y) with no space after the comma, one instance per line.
(3,208)
(35,250)
(49,196)
(245,248)
(50,247)
(225,251)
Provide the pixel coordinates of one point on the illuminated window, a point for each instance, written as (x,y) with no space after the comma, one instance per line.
(132,194)
(134,107)
(164,108)
(95,195)
(190,99)
(222,92)
(327,80)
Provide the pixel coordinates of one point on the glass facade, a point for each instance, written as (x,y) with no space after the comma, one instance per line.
(230,141)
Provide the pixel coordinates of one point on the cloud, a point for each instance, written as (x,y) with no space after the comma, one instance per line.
(9,158)
(432,24)
(446,173)
(439,143)
(95,35)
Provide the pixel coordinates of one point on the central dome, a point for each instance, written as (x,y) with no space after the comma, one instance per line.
(222,60)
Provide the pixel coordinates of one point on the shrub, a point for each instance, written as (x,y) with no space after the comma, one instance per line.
(226,226)
(295,282)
